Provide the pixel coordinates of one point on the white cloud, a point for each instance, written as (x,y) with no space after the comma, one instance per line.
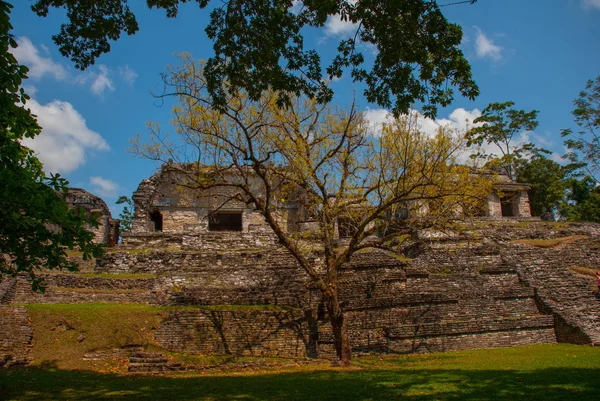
(335,26)
(376,117)
(542,140)
(485,47)
(460,120)
(102,82)
(296,6)
(558,158)
(128,74)
(30,90)
(39,66)
(591,4)
(99,78)
(104,187)
(65,137)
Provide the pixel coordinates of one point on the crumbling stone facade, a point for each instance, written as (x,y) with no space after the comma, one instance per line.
(169,211)
(107,231)
(509,199)
(165,207)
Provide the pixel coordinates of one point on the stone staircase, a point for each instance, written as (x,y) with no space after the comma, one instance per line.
(151,363)
(7,291)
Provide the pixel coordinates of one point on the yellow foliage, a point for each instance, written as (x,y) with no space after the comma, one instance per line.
(330,162)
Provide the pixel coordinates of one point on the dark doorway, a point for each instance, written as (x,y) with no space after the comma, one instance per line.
(157,218)
(507,206)
(230,221)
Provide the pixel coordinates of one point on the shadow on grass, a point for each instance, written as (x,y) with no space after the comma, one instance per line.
(388,384)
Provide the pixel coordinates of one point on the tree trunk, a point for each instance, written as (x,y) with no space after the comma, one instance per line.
(343,350)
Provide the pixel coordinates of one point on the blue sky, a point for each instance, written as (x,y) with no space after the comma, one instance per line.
(537,53)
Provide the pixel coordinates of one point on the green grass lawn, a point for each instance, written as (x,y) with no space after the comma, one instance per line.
(548,372)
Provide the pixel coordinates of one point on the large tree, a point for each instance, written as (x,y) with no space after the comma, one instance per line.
(548,183)
(582,201)
(259,45)
(325,160)
(499,127)
(584,145)
(36,225)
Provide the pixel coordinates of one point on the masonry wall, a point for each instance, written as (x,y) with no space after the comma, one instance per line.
(71,288)
(15,336)
(391,306)
(454,294)
(523,206)
(107,231)
(248,333)
(559,291)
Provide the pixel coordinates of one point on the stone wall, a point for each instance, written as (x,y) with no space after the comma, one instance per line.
(107,231)
(523,208)
(455,294)
(7,291)
(559,291)
(151,240)
(72,288)
(249,333)
(211,278)
(15,336)
(390,304)
(254,237)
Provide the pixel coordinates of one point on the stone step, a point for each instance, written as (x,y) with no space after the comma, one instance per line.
(151,362)
(143,354)
(157,364)
(148,360)
(472,326)
(448,328)
(155,369)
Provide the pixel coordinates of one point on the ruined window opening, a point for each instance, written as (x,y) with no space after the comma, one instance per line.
(225,221)
(507,204)
(157,218)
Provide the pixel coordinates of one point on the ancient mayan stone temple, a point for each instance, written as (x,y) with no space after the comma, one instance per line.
(227,287)
(169,212)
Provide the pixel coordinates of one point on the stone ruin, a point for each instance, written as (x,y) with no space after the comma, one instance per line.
(168,212)
(509,199)
(478,290)
(107,231)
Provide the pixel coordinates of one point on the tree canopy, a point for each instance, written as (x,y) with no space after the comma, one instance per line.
(582,201)
(547,179)
(126,216)
(259,45)
(36,225)
(498,125)
(584,145)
